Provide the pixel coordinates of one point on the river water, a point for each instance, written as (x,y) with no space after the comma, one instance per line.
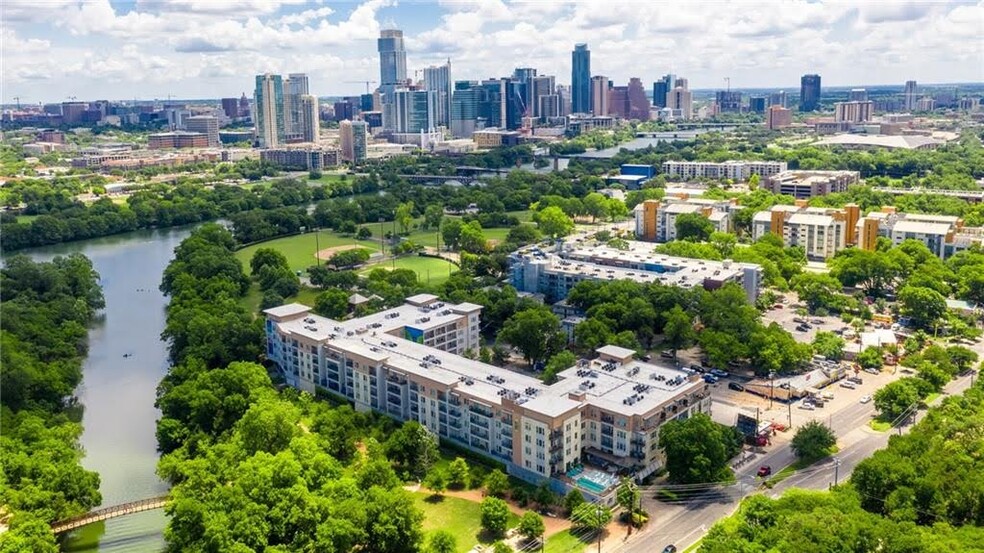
(117,393)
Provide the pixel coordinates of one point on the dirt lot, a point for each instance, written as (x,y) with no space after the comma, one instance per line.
(326,253)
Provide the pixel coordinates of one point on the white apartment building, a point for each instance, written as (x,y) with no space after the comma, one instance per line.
(807,184)
(820,232)
(405,362)
(661,215)
(944,235)
(738,171)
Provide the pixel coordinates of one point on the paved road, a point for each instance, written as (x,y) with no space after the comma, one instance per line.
(683,524)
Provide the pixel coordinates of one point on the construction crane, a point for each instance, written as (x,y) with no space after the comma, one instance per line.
(17,99)
(728,80)
(367,83)
(71,98)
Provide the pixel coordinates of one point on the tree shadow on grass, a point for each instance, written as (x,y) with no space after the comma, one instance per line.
(486,537)
(434,498)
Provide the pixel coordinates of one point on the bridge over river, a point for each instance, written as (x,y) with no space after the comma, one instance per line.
(107,513)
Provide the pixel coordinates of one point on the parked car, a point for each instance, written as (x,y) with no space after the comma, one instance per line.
(647,357)
(802,328)
(827,395)
(807,405)
(865,399)
(719,373)
(777,306)
(764,470)
(799,320)
(698,368)
(736,387)
(734,364)
(667,354)
(855,379)
(710,379)
(670,549)
(872,370)
(817,321)
(848,384)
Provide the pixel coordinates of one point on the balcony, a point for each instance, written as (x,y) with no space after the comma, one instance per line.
(479,422)
(607,419)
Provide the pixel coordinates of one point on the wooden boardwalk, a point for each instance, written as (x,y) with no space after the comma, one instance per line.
(106,513)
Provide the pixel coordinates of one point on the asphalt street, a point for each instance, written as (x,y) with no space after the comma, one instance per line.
(684,523)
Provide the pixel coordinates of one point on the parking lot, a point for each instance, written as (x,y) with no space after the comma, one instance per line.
(786,317)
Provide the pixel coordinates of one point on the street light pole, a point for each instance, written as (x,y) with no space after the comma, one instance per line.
(837,464)
(772,388)
(598,522)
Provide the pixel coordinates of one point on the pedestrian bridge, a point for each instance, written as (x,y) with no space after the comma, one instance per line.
(107,513)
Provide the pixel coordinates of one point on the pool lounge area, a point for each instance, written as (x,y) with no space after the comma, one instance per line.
(592,480)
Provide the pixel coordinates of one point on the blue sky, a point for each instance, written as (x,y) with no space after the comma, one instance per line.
(104,49)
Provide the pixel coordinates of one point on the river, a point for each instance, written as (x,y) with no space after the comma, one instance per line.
(117,393)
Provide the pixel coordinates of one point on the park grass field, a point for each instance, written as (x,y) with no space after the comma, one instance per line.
(564,542)
(253,298)
(430,270)
(300,248)
(461,517)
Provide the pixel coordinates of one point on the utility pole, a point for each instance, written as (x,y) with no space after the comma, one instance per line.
(789,408)
(598,522)
(837,464)
(772,388)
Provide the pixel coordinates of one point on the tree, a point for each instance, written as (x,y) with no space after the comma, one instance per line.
(332,303)
(559,362)
(697,450)
(501,547)
(523,234)
(554,223)
(591,516)
(895,398)
(495,516)
(458,474)
(829,345)
(534,331)
(592,334)
(773,349)
(813,440)
(627,496)
(924,305)
(442,541)
(817,290)
(451,232)
(724,242)
(531,525)
(753,182)
(693,227)
(471,239)
(437,481)
(678,331)
(349,258)
(267,256)
(412,448)
(870,358)
(572,500)
(404,216)
(433,214)
(616,209)
(363,233)
(496,483)
(595,205)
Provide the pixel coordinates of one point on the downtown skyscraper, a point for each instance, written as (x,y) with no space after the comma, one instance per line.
(809,92)
(268,112)
(392,70)
(581,79)
(438,79)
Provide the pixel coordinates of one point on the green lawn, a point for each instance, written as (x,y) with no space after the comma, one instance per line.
(461,517)
(300,248)
(430,270)
(565,542)
(800,464)
(931,397)
(254,296)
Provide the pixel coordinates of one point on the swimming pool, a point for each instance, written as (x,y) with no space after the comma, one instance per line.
(596,481)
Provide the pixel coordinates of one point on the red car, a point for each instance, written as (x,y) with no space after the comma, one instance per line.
(765,470)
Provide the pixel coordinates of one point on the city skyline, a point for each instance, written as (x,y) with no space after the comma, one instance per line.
(190,49)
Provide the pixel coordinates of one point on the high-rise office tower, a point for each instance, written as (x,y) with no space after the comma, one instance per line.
(681,99)
(230,106)
(757,104)
(809,92)
(728,101)
(564,93)
(638,100)
(309,120)
(244,106)
(295,86)
(778,99)
(858,95)
(464,108)
(909,95)
(269,111)
(778,117)
(599,95)
(392,71)
(205,124)
(548,105)
(414,110)
(353,136)
(660,89)
(681,82)
(513,107)
(438,79)
(526,75)
(543,85)
(854,112)
(581,79)
(618,101)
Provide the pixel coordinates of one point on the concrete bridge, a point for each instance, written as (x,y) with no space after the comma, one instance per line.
(107,513)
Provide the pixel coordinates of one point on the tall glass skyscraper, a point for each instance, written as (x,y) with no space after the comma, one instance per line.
(392,70)
(438,79)
(268,112)
(581,79)
(809,92)
(295,86)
